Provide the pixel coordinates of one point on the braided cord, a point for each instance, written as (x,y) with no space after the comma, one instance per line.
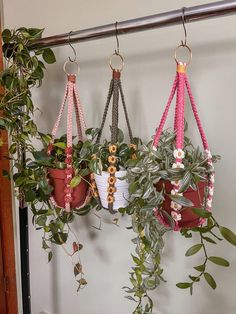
(165,114)
(110,92)
(195,112)
(126,112)
(115,112)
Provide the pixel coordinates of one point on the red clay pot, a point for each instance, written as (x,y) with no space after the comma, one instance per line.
(189,218)
(57,181)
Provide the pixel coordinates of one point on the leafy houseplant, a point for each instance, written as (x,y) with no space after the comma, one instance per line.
(173,181)
(150,168)
(109,158)
(100,154)
(25,70)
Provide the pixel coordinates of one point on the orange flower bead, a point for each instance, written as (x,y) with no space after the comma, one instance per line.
(111,189)
(112,159)
(93,184)
(95,194)
(134,146)
(111,169)
(112,180)
(110,199)
(112,149)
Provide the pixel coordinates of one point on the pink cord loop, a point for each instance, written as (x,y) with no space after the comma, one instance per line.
(72,95)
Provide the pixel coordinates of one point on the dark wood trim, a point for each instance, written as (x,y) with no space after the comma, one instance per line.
(6,224)
(3,303)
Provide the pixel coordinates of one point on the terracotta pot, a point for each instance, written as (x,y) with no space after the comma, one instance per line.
(57,181)
(189,218)
(122,186)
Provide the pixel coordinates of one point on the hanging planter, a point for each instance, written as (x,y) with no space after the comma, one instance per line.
(180,195)
(119,189)
(110,158)
(70,184)
(171,188)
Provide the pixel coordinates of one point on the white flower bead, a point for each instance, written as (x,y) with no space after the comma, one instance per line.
(179,153)
(175,182)
(212,178)
(211,191)
(175,206)
(208,154)
(178,165)
(209,202)
(175,192)
(154,148)
(176,216)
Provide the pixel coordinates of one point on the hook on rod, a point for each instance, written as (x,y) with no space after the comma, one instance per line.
(184,43)
(74,51)
(117,50)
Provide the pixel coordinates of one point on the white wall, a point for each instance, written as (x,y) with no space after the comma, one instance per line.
(147,79)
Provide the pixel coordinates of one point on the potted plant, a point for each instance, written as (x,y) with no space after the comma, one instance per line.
(109,158)
(104,158)
(55,168)
(150,168)
(171,188)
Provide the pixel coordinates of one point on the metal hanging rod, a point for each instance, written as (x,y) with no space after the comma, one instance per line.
(192,14)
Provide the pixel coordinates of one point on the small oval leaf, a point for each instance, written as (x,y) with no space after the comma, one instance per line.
(210,280)
(219,261)
(229,235)
(194,249)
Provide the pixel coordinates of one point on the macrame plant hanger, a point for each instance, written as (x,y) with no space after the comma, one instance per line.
(180,84)
(72,95)
(115,91)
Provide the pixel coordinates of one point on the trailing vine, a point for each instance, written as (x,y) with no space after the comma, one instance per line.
(24,70)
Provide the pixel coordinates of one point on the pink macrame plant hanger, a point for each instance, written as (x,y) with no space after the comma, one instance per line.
(184,217)
(64,195)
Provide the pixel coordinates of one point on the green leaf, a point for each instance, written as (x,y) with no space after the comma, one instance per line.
(77,269)
(60,238)
(75,181)
(133,187)
(41,220)
(219,261)
(150,284)
(136,260)
(48,56)
(60,145)
(185,182)
(181,200)
(229,235)
(44,245)
(210,280)
(210,240)
(194,249)
(83,210)
(183,285)
(35,32)
(6,36)
(82,282)
(200,267)
(49,256)
(201,212)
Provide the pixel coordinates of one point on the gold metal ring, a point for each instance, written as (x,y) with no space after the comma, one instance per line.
(190,54)
(122,61)
(65,64)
